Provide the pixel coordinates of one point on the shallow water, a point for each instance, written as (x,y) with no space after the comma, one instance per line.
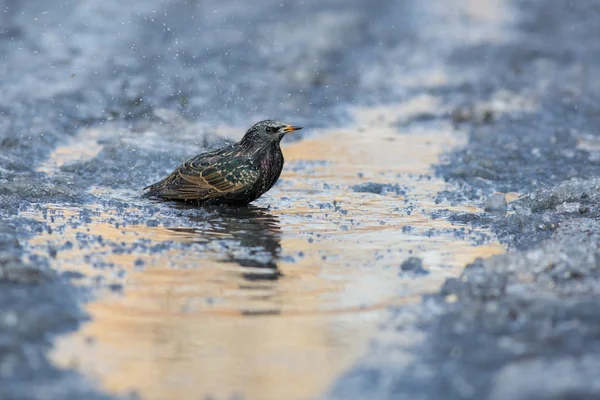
(271,301)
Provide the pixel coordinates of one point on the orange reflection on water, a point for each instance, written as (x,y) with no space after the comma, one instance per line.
(269,302)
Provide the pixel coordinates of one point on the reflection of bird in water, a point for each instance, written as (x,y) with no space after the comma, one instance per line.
(250,236)
(235,175)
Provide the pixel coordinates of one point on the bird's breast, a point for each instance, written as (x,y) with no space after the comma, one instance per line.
(271,165)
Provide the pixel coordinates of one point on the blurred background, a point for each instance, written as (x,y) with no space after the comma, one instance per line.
(428,124)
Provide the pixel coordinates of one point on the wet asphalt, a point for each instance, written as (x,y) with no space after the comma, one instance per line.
(524,325)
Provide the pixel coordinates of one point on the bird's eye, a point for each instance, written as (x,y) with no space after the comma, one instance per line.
(271,129)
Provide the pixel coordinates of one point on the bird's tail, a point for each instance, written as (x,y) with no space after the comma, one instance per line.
(157,189)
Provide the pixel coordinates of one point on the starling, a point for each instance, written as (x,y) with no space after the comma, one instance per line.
(233,175)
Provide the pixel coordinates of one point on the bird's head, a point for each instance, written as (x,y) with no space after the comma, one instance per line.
(266,132)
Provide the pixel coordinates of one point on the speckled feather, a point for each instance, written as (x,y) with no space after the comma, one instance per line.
(236,174)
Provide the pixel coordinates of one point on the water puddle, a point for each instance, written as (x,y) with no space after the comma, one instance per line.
(269,302)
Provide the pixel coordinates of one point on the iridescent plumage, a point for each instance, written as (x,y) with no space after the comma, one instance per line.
(235,175)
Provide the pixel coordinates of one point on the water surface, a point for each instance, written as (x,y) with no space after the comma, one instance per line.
(270,301)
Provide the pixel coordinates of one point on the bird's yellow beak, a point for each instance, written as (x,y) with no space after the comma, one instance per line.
(289,128)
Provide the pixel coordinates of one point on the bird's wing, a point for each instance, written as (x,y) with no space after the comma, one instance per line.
(208,176)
